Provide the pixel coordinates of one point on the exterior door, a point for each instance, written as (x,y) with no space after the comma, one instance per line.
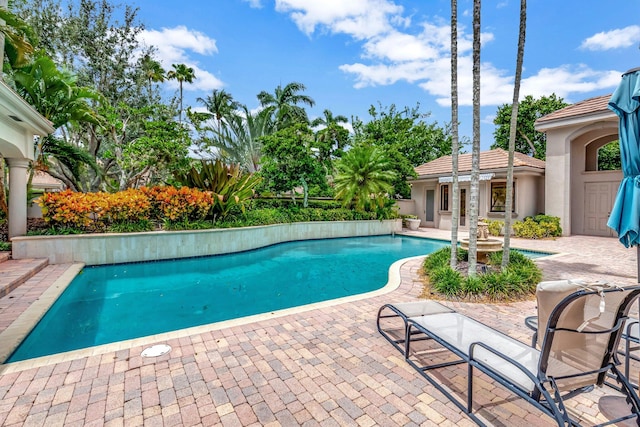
(430,207)
(598,201)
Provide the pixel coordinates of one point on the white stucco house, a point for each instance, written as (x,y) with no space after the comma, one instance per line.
(576,191)
(431,191)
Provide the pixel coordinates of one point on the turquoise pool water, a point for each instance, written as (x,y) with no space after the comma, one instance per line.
(113,303)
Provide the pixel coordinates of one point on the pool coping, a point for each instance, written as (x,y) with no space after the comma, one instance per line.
(21,327)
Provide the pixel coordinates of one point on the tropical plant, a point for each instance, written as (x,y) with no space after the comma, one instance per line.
(230,187)
(284,102)
(405,138)
(220,105)
(332,138)
(55,94)
(19,38)
(183,74)
(364,178)
(152,71)
(288,161)
(512,133)
(528,140)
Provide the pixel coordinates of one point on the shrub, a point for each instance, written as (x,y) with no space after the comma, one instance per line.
(495,226)
(518,280)
(446,281)
(228,185)
(538,227)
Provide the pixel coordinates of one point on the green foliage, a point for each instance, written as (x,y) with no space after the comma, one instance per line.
(5,246)
(473,285)
(538,227)
(495,226)
(406,139)
(130,227)
(187,224)
(528,140)
(609,157)
(446,281)
(231,188)
(364,178)
(518,280)
(288,161)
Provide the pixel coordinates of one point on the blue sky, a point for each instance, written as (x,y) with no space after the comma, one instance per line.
(352,54)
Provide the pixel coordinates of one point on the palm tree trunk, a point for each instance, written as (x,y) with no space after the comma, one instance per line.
(475,150)
(455,212)
(508,206)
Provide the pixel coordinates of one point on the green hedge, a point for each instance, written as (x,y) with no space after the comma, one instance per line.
(517,281)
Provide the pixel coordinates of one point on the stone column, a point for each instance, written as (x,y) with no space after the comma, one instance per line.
(18,169)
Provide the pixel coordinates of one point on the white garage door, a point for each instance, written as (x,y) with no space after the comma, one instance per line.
(598,201)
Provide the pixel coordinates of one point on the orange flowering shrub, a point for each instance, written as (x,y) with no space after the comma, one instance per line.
(71,209)
(97,210)
(179,204)
(128,205)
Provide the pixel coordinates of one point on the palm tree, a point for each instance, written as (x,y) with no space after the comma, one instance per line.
(240,142)
(284,104)
(153,72)
(328,119)
(182,74)
(455,148)
(512,133)
(475,146)
(221,105)
(363,176)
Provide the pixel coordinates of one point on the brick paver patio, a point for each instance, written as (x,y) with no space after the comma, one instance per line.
(324,367)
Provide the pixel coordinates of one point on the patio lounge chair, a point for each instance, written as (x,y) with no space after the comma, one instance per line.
(389,314)
(578,350)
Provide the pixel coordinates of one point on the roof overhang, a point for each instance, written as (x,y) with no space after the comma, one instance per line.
(575,121)
(486,175)
(19,124)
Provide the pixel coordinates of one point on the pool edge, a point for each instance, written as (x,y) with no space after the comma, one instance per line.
(393,282)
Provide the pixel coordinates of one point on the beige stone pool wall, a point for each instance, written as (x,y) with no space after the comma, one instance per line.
(99,249)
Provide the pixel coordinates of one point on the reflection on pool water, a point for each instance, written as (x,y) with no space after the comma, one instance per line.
(113,303)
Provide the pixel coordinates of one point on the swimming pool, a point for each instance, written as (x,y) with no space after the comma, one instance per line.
(113,303)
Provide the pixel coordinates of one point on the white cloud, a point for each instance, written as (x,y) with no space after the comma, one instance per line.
(176,46)
(360,19)
(567,79)
(256,4)
(614,39)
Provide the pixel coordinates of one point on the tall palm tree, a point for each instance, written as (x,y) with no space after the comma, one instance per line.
(512,132)
(220,105)
(183,74)
(332,138)
(475,146)
(284,104)
(455,148)
(153,72)
(363,176)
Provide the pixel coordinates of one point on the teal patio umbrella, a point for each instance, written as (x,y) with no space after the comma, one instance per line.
(625,215)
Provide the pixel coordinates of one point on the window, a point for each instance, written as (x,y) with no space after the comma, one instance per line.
(444,198)
(499,196)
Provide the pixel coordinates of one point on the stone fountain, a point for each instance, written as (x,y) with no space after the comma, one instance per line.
(485,244)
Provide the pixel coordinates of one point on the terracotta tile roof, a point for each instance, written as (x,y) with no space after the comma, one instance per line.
(489,160)
(582,108)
